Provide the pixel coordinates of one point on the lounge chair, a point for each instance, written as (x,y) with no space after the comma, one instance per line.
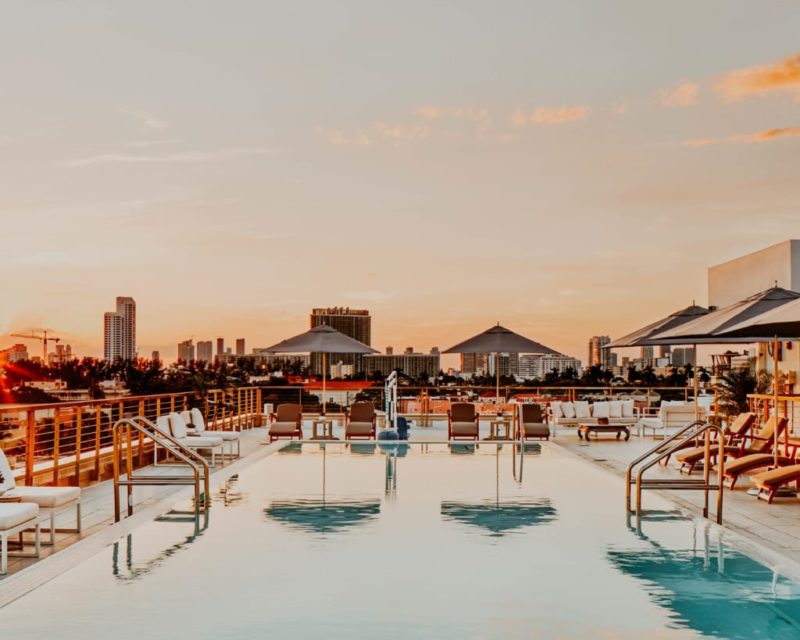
(462,422)
(734,435)
(174,425)
(761,453)
(197,427)
(533,423)
(16,517)
(286,422)
(360,422)
(50,500)
(770,482)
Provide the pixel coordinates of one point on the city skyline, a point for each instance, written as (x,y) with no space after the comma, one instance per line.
(512,179)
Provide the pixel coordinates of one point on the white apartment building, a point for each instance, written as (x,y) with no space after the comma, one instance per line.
(119,331)
(536,366)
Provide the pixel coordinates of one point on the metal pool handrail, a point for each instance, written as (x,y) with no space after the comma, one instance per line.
(148,429)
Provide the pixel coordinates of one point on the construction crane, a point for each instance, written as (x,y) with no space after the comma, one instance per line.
(39,334)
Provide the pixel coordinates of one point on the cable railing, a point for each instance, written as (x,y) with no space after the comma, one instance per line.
(70,443)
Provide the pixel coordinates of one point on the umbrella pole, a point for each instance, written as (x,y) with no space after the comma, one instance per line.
(775,392)
(497,382)
(324,377)
(696,386)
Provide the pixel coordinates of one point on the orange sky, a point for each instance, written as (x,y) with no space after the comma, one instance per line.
(565,170)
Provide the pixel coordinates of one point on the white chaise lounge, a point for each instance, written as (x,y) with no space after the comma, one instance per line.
(174,425)
(16,517)
(50,500)
(197,427)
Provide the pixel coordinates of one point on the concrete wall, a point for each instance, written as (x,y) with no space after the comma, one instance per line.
(737,279)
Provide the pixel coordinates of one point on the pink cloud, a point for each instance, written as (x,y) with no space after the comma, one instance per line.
(760,80)
(682,95)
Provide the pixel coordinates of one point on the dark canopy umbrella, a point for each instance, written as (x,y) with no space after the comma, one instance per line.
(499,340)
(321,339)
(639,337)
(500,517)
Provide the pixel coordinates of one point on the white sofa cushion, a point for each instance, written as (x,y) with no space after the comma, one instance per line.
(178,426)
(614,409)
(568,409)
(600,410)
(555,407)
(582,409)
(627,408)
(8,475)
(13,514)
(46,497)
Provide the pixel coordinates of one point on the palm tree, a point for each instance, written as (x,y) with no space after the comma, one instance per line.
(735,385)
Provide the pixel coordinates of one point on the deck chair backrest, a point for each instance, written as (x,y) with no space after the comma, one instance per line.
(743,423)
(288,412)
(162,422)
(198,422)
(532,413)
(462,412)
(7,483)
(767,434)
(362,412)
(178,426)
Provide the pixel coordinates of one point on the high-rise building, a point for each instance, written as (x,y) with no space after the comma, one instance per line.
(682,356)
(409,362)
(186,351)
(355,323)
(14,354)
(220,346)
(598,356)
(239,346)
(646,353)
(205,351)
(537,366)
(119,331)
(62,354)
(156,355)
(475,363)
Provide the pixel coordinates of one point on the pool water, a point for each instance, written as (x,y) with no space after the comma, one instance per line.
(426,541)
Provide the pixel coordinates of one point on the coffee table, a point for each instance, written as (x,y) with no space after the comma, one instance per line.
(618,428)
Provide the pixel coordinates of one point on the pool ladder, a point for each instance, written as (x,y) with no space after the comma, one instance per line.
(122,438)
(663,450)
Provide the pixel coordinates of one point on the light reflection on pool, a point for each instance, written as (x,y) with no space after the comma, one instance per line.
(368,541)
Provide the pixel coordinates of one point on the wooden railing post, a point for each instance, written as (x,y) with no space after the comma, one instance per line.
(56,444)
(78,438)
(30,445)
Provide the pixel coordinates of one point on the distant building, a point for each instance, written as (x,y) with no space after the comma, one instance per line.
(262,357)
(14,354)
(682,356)
(646,353)
(599,357)
(340,370)
(155,356)
(186,351)
(537,366)
(61,355)
(205,351)
(474,363)
(240,351)
(355,323)
(220,346)
(119,331)
(409,362)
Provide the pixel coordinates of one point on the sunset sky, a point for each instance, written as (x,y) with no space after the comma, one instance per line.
(565,168)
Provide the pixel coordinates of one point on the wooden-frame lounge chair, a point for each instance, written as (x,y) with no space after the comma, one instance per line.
(197,427)
(770,482)
(51,501)
(360,421)
(735,435)
(286,422)
(533,422)
(16,517)
(175,425)
(462,422)
(761,454)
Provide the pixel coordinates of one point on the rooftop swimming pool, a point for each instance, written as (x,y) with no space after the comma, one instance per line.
(346,540)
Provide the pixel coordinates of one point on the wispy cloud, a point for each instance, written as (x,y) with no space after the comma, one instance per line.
(548,115)
(760,80)
(147,121)
(472,114)
(379,130)
(682,95)
(169,158)
(141,144)
(619,108)
(761,136)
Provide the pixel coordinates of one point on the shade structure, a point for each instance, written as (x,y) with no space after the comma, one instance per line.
(782,321)
(321,339)
(708,328)
(321,516)
(639,337)
(499,518)
(499,340)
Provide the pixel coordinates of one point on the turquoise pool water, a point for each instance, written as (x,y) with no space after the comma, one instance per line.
(425,541)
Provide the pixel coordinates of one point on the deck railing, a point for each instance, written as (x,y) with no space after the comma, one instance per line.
(762,405)
(70,443)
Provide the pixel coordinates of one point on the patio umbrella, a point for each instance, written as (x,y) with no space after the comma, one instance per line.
(323,516)
(321,339)
(500,517)
(639,337)
(499,340)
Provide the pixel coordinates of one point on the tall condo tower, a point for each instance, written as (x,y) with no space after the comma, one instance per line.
(356,323)
(119,331)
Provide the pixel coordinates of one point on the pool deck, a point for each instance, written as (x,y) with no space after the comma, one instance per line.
(775,527)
